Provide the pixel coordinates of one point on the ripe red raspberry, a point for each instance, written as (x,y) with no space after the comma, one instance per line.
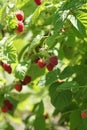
(18,87)
(38,2)
(83,115)
(26,80)
(41,63)
(7,67)
(50,67)
(53,60)
(20,16)
(4,109)
(20,27)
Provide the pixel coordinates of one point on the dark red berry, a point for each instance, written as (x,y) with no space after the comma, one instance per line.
(10,106)
(38,2)
(6,102)
(20,27)
(4,109)
(50,67)
(20,16)
(41,63)
(7,106)
(53,60)
(26,80)
(18,87)
(7,67)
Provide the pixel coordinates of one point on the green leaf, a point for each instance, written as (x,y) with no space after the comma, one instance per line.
(84,10)
(60,53)
(39,123)
(7,50)
(68,86)
(83,125)
(39,109)
(81,74)
(67,72)
(70,37)
(52,76)
(76,122)
(81,95)
(50,41)
(37,13)
(36,41)
(73,4)
(21,70)
(25,6)
(36,72)
(59,18)
(60,99)
(77,24)
(49,78)
(19,97)
(75,119)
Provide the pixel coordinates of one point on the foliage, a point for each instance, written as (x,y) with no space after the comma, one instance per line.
(51,28)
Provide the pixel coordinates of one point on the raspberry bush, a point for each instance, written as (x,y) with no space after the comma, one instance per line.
(43,64)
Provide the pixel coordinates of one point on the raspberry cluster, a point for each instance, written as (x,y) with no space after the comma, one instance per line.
(53,61)
(50,64)
(7,106)
(18,85)
(26,80)
(20,24)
